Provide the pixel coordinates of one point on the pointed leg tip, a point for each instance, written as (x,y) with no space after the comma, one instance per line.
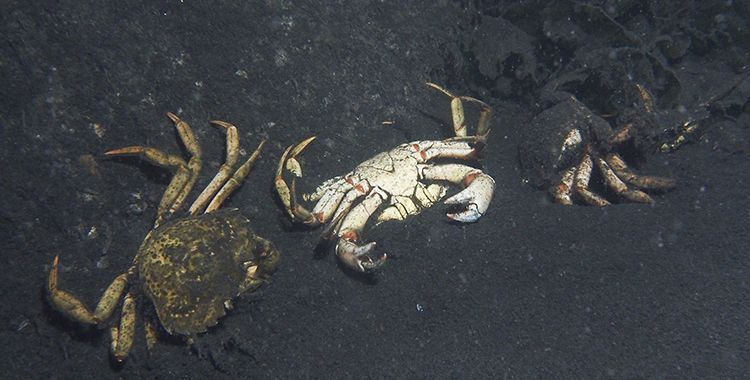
(373,265)
(173,117)
(465,216)
(125,151)
(307,142)
(222,124)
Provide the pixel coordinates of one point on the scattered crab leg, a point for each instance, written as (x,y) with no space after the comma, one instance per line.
(233,149)
(641,181)
(236,180)
(476,195)
(348,250)
(194,164)
(71,306)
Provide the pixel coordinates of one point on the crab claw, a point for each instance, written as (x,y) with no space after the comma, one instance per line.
(357,257)
(286,192)
(476,197)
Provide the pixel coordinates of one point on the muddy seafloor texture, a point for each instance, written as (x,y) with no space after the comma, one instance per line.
(533,289)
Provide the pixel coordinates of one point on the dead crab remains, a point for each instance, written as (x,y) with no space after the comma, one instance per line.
(402,182)
(567,145)
(190,267)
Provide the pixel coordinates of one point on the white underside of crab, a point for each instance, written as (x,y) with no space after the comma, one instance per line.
(393,185)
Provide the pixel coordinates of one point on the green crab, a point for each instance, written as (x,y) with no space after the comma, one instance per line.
(189,268)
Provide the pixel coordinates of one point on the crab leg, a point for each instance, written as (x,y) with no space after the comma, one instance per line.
(286,194)
(581,183)
(564,190)
(457,112)
(159,158)
(185,173)
(334,222)
(456,149)
(615,183)
(353,255)
(73,308)
(233,149)
(122,336)
(329,199)
(641,181)
(236,180)
(195,163)
(622,134)
(476,195)
(257,273)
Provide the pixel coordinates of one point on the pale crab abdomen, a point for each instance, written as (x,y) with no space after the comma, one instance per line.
(395,171)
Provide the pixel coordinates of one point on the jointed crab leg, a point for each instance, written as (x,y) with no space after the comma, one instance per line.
(159,158)
(194,164)
(233,149)
(72,307)
(581,183)
(457,111)
(641,181)
(334,220)
(476,195)
(563,192)
(288,198)
(122,336)
(330,195)
(236,180)
(616,184)
(185,173)
(357,256)
(257,274)
(458,149)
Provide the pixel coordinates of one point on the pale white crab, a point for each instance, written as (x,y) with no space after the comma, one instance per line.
(402,182)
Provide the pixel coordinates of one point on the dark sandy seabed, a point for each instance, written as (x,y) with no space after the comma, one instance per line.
(533,289)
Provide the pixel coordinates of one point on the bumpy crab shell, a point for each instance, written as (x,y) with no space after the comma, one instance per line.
(542,156)
(566,143)
(191,267)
